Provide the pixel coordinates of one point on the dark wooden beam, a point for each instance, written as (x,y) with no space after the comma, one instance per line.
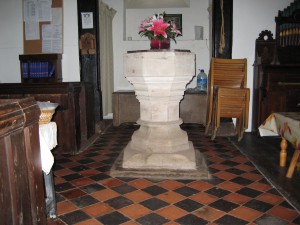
(222,17)
(89,51)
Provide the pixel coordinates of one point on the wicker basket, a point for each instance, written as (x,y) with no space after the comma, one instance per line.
(46,116)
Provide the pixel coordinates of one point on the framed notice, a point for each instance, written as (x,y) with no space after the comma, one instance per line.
(177,18)
(87,20)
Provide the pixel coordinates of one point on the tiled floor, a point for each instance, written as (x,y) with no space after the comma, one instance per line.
(264,153)
(237,194)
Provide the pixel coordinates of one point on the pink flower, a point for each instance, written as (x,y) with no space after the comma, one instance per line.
(174,29)
(159,27)
(145,23)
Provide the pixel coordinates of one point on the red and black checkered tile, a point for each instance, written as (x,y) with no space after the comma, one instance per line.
(236,194)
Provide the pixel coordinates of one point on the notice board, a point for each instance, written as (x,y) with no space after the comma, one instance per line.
(42,26)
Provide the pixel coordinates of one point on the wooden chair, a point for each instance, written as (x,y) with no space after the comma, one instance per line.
(228,96)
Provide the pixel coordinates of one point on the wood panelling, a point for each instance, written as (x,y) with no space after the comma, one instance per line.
(21,180)
(74,116)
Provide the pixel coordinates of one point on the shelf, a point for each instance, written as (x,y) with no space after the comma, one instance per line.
(40,68)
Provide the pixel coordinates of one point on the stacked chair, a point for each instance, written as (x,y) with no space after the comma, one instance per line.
(228,95)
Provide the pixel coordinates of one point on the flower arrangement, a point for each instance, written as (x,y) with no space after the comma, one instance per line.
(158,27)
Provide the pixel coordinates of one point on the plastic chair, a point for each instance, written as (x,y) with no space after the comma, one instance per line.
(228,96)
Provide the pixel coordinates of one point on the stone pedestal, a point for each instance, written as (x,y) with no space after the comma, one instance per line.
(159,79)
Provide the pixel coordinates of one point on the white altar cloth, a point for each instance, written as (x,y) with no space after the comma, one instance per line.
(48,141)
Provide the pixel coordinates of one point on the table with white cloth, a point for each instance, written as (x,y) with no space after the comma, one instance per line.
(287,125)
(48,141)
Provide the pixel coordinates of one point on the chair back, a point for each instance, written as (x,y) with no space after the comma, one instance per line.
(230,73)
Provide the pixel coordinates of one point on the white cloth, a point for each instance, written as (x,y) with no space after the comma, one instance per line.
(48,140)
(285,124)
(269,127)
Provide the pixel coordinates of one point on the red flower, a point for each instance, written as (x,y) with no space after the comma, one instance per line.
(159,27)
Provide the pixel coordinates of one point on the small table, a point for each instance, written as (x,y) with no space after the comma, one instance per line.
(48,141)
(287,125)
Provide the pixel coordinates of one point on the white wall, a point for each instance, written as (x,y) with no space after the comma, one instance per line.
(11,41)
(196,14)
(250,18)
(70,58)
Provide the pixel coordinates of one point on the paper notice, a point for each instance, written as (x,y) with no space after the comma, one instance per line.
(57,16)
(87,20)
(32,30)
(51,38)
(31,19)
(30,11)
(45,10)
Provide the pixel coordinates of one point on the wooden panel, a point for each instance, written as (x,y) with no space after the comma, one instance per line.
(21,181)
(276,85)
(89,58)
(74,116)
(276,89)
(126,107)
